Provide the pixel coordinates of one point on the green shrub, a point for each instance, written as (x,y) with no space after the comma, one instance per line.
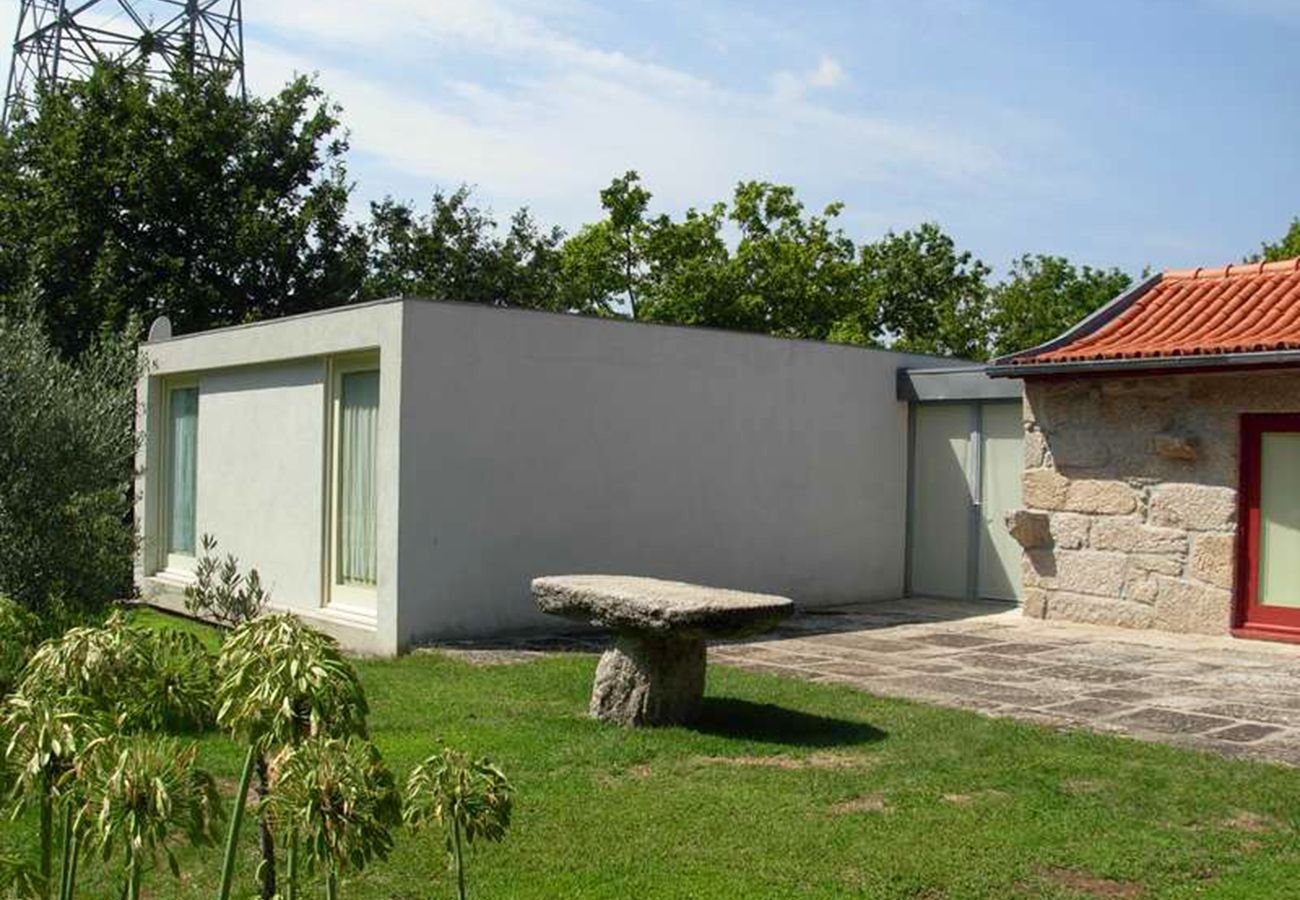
(221,592)
(67,443)
(142,678)
(18,638)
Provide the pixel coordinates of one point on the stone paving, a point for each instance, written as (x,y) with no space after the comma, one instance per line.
(1240,698)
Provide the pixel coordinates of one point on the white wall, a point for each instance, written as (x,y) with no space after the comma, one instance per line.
(261,456)
(538,444)
(260,488)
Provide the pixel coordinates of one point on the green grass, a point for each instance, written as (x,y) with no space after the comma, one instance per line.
(687,813)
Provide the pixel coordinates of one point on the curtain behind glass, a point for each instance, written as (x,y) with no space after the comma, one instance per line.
(183,411)
(358,438)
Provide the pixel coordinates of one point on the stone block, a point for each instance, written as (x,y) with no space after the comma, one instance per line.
(1142,564)
(1080,447)
(1190,606)
(1038,568)
(1213,559)
(1097,496)
(1044,489)
(1028,528)
(1034,603)
(1129,535)
(1195,507)
(1090,572)
(1035,449)
(1176,445)
(1070,530)
(1099,611)
(1141,589)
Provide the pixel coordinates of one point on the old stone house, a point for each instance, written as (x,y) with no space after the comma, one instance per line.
(1161,484)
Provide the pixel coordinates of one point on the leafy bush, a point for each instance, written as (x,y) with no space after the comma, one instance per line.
(221,592)
(467,797)
(67,442)
(341,799)
(142,791)
(280,681)
(143,679)
(18,633)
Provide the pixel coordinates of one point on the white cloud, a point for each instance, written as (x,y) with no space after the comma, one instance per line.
(793,86)
(546,119)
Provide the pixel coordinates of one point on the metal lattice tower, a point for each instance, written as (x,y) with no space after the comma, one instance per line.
(60,41)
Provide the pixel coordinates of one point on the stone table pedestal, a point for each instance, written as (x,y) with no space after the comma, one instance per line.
(654,673)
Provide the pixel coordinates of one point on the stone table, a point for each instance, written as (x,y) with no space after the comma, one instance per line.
(654,673)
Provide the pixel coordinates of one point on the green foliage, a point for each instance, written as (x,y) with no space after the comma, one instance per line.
(48,736)
(455,252)
(922,295)
(1044,295)
(128,197)
(339,798)
(222,593)
(18,637)
(142,791)
(469,798)
(141,678)
(280,681)
(67,442)
(18,877)
(1288,247)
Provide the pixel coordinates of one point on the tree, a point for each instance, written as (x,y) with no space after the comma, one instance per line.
(49,736)
(789,274)
(1045,295)
(67,446)
(454,252)
(470,799)
(280,682)
(124,197)
(1288,247)
(338,795)
(922,295)
(144,790)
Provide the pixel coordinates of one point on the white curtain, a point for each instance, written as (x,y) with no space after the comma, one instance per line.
(358,438)
(183,410)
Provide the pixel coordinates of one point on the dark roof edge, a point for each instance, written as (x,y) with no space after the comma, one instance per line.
(1150,363)
(1087,326)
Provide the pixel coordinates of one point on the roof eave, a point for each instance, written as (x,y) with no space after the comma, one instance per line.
(1149,363)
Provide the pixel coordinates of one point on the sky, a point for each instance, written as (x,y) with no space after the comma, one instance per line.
(1129,133)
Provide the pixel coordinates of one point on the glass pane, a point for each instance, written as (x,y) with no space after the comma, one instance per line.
(183,415)
(1003,461)
(1279,519)
(358,437)
(941,500)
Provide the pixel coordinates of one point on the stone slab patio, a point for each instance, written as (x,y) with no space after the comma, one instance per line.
(1239,698)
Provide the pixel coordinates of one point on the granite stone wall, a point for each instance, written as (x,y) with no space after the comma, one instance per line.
(1130,495)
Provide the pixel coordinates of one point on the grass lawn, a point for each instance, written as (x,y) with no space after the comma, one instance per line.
(790,789)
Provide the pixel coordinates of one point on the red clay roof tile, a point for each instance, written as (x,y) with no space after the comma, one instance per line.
(1246,308)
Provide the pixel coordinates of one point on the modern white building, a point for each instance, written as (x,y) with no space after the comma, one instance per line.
(398,471)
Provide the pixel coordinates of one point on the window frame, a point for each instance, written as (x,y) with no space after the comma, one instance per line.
(168,563)
(338,594)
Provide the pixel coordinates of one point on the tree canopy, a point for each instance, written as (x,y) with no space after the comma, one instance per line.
(123,198)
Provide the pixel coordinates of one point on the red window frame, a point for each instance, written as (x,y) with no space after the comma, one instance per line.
(1251,618)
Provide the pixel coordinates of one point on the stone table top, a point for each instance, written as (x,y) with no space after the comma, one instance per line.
(658,608)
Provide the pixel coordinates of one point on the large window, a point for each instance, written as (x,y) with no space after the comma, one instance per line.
(181,440)
(354,562)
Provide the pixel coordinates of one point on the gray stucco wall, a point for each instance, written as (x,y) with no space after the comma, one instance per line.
(537,444)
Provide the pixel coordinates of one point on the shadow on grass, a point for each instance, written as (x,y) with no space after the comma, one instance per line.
(730,717)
